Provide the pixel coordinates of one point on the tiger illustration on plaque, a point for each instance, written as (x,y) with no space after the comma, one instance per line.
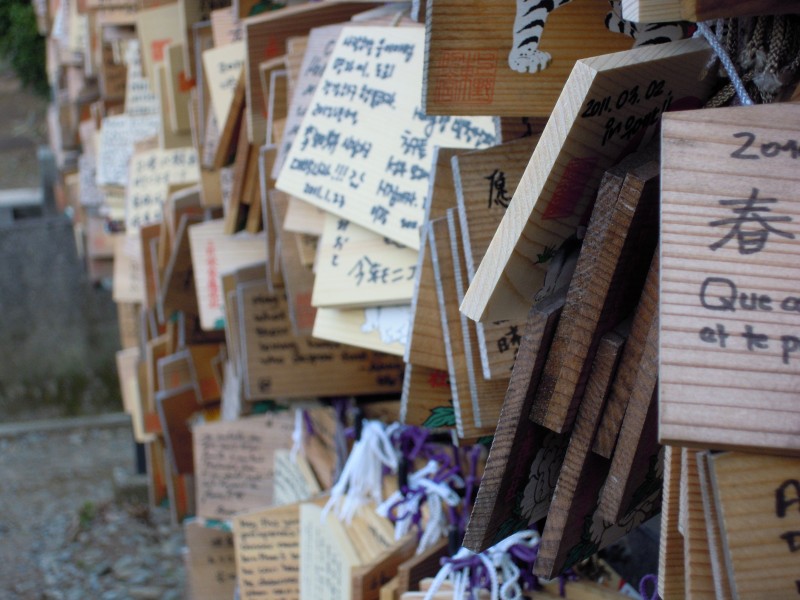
(531,18)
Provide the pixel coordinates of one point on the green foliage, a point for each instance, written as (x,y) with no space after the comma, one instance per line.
(441,416)
(22,46)
(86,514)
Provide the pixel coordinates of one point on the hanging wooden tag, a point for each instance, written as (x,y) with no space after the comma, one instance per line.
(298,279)
(655,11)
(518,477)
(326,556)
(175,409)
(367,106)
(697,556)
(320,44)
(637,446)
(223,67)
(378,328)
(232,128)
(357,267)
(178,291)
(671,565)
(571,510)
(447,267)
(211,561)
(609,274)
(265,37)
(637,353)
(509,58)
(716,549)
(729,343)
(267,545)
(610,106)
(214,253)
(127,361)
(484,183)
(294,479)
(128,282)
(279,365)
(757,499)
(234,463)
(151,173)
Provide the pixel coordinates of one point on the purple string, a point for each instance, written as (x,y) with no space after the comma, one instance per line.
(523,555)
(469,484)
(309,423)
(410,441)
(652,580)
(568,575)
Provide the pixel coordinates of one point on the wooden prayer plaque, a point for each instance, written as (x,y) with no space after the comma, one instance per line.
(506,500)
(610,271)
(278,364)
(697,559)
(471,395)
(234,463)
(484,182)
(211,561)
(671,581)
(175,409)
(358,267)
(365,153)
(757,500)
(649,11)
(268,553)
(426,400)
(214,253)
(729,339)
(508,58)
(572,531)
(380,328)
(321,41)
(610,106)
(716,550)
(639,351)
(265,37)
(223,67)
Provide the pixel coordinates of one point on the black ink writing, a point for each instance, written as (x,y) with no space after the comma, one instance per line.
(498,194)
(748,213)
(766,149)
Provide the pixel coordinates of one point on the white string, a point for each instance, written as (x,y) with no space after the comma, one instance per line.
(439,494)
(727,63)
(362,477)
(297,434)
(495,558)
(407,506)
(445,573)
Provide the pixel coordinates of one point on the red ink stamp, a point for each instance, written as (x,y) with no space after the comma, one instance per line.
(465,76)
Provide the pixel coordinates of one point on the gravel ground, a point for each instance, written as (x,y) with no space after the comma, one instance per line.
(62,533)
